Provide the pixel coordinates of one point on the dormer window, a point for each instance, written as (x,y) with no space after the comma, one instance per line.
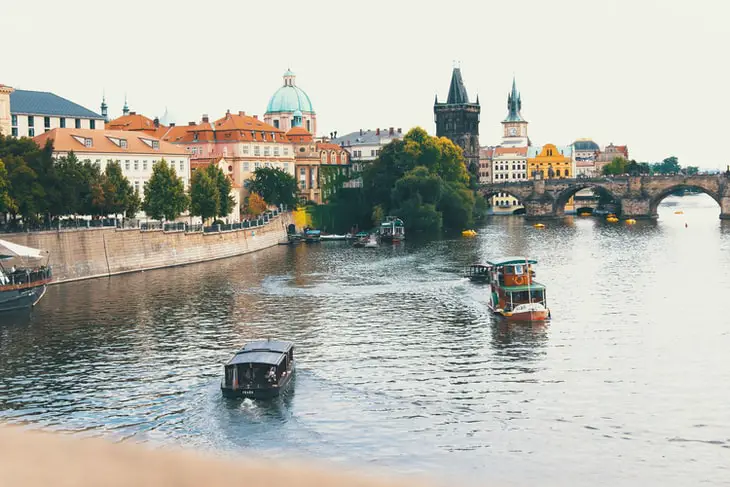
(195,136)
(263,135)
(87,142)
(123,143)
(155,144)
(253,135)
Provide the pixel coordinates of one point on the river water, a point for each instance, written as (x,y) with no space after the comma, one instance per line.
(400,365)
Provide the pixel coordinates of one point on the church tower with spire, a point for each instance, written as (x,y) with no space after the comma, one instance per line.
(104,109)
(125,109)
(515,127)
(458,119)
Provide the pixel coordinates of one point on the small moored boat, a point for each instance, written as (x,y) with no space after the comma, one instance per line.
(260,370)
(371,242)
(312,236)
(513,292)
(392,230)
(333,237)
(22,286)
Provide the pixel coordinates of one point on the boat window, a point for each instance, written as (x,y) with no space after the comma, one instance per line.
(518,270)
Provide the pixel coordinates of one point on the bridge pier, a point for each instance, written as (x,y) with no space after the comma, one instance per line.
(538,208)
(636,207)
(725,207)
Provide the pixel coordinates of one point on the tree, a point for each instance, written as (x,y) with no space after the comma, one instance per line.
(670,165)
(93,200)
(255,205)
(457,206)
(204,196)
(25,190)
(6,202)
(118,191)
(164,193)
(72,184)
(617,166)
(691,170)
(274,185)
(134,204)
(223,187)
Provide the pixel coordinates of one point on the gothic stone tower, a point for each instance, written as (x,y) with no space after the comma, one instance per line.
(458,120)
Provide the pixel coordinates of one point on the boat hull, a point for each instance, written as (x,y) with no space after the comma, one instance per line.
(526,316)
(14,299)
(259,392)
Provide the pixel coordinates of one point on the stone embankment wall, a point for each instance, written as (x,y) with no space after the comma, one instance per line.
(86,254)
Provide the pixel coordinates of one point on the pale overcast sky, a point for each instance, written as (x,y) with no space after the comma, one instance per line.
(653,74)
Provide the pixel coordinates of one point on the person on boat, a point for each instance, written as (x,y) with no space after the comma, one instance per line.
(271,375)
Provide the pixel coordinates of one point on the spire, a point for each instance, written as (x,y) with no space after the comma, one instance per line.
(457,90)
(289,78)
(104,107)
(514,104)
(125,110)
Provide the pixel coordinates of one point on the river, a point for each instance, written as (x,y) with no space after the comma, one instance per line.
(400,365)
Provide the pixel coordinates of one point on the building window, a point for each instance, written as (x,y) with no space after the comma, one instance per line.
(126,165)
(256,150)
(123,143)
(182,166)
(136,165)
(136,186)
(263,135)
(31,132)
(144,165)
(195,136)
(244,149)
(266,151)
(276,151)
(286,151)
(92,124)
(245,166)
(276,123)
(14,120)
(78,123)
(324,158)
(46,123)
(14,131)
(257,165)
(87,142)
(31,121)
(98,162)
(155,144)
(309,128)
(62,122)
(372,152)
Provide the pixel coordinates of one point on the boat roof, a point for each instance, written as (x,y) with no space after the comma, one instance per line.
(512,260)
(8,250)
(313,232)
(535,286)
(257,357)
(281,346)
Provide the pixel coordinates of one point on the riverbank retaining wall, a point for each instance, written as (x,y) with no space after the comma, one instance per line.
(91,253)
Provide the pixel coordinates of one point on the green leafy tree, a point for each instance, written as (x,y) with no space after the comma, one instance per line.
(6,201)
(691,170)
(223,186)
(165,195)
(420,217)
(670,165)
(617,166)
(274,185)
(118,191)
(25,190)
(73,184)
(134,204)
(204,195)
(457,206)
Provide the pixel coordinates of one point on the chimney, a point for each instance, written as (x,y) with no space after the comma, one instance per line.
(377,131)
(156,121)
(400,130)
(192,124)
(205,118)
(133,113)
(256,117)
(360,131)
(172,124)
(241,113)
(391,130)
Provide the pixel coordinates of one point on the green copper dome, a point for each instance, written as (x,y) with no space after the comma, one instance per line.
(289,98)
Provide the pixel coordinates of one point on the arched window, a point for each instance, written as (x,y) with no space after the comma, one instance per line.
(557,173)
(324,157)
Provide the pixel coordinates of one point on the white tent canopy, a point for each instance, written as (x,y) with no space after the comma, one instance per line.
(10,249)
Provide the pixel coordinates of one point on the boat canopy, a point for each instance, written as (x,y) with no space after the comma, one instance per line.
(535,286)
(280,346)
(9,250)
(312,232)
(512,260)
(258,357)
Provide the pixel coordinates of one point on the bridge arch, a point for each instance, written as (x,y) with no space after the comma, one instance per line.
(561,199)
(659,197)
(487,193)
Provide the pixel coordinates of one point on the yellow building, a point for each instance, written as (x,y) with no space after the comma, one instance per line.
(551,162)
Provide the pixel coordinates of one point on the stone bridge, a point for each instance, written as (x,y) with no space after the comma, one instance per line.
(638,196)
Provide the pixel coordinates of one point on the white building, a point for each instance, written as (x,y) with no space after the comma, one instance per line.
(509,165)
(585,154)
(136,152)
(365,145)
(33,113)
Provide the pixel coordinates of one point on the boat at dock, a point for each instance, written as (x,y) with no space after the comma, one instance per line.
(312,236)
(514,294)
(371,242)
(392,230)
(22,285)
(335,237)
(477,273)
(262,369)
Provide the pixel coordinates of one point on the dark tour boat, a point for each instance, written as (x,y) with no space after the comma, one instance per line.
(477,273)
(262,369)
(24,285)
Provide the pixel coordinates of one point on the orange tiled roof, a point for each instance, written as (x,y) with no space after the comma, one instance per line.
(328,146)
(134,122)
(69,139)
(230,128)
(510,150)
